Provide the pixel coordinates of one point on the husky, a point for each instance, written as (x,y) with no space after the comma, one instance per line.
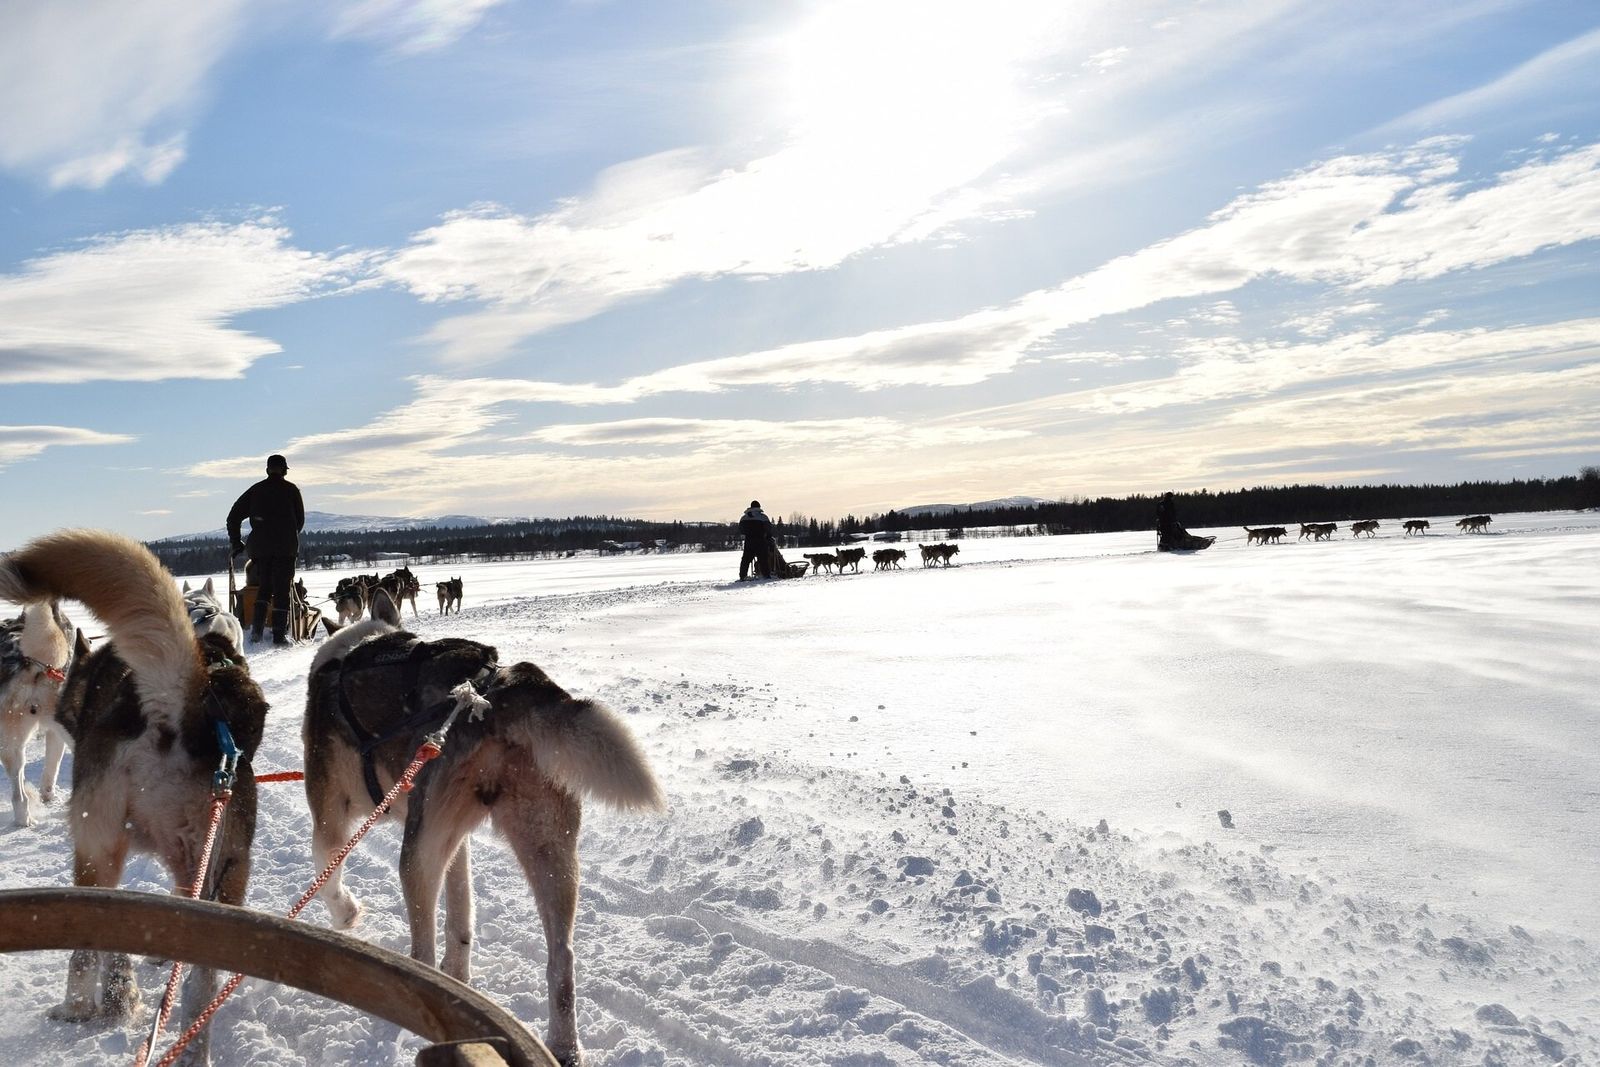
(1416,526)
(208,616)
(524,757)
(1475,523)
(885,558)
(1365,526)
(36,654)
(401,585)
(142,712)
(820,560)
(1253,536)
(850,557)
(449,596)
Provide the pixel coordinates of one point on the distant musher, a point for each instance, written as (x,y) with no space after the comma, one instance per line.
(277,515)
(757,530)
(1170,534)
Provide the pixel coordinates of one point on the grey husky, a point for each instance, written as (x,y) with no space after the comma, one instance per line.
(143,712)
(523,757)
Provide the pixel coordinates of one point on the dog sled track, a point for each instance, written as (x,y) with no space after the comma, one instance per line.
(979,1013)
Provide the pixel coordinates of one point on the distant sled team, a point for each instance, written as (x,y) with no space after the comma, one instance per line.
(1324,531)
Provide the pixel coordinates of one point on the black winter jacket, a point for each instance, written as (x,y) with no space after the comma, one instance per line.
(276,514)
(755,526)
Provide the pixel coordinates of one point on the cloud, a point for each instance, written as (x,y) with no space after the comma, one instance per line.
(746,434)
(1356,223)
(1565,67)
(25,442)
(148,305)
(409,27)
(94,89)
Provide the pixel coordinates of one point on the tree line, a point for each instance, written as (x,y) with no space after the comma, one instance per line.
(1259,506)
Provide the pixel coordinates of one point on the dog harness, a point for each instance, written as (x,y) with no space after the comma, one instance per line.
(411,656)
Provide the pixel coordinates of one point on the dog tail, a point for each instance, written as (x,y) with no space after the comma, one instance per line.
(119,580)
(586,749)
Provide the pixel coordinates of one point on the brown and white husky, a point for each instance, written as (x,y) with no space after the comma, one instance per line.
(523,759)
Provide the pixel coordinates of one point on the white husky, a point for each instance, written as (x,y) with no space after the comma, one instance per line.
(209,616)
(36,651)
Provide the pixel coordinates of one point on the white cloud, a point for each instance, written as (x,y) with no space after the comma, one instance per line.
(148,305)
(1229,369)
(410,27)
(1356,222)
(1565,67)
(746,434)
(96,88)
(25,442)
(1107,58)
(1321,322)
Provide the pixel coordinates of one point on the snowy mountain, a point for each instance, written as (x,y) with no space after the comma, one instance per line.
(1003,502)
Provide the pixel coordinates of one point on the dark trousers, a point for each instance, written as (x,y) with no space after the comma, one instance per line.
(274,575)
(760,553)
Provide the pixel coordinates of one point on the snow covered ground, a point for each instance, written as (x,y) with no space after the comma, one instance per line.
(970,816)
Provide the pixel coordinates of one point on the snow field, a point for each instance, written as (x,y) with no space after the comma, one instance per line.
(886,846)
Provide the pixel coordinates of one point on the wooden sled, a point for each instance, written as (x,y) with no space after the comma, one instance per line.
(466,1026)
(1187,543)
(303,618)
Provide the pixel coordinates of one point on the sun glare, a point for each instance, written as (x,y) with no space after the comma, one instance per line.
(937,79)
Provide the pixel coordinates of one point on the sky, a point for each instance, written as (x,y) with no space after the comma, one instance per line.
(503,258)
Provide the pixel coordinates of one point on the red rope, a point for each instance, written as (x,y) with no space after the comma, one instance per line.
(403,785)
(165,1011)
(281,776)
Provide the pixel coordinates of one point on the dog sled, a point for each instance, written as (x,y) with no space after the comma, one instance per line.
(1185,542)
(467,1028)
(303,617)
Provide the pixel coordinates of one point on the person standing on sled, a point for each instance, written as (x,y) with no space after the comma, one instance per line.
(277,515)
(1170,534)
(757,530)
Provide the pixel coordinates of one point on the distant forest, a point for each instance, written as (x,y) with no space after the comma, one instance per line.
(1262,506)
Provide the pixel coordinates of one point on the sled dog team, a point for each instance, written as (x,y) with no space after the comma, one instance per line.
(352,597)
(150,713)
(1324,531)
(883,559)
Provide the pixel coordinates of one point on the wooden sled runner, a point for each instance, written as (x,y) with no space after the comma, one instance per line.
(466,1026)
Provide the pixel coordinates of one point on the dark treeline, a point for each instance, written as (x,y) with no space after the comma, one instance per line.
(526,539)
(1265,505)
(1262,506)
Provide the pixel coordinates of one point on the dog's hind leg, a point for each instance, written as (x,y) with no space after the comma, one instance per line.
(102,869)
(459,915)
(540,822)
(439,817)
(15,729)
(55,746)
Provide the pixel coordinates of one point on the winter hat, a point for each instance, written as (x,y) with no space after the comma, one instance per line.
(755,503)
(276,462)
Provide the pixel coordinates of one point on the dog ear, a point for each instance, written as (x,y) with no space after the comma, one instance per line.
(185,585)
(211,588)
(383,608)
(331,626)
(80,645)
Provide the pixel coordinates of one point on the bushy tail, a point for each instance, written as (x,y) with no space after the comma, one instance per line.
(126,586)
(587,750)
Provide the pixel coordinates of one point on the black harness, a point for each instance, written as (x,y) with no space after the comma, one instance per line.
(411,657)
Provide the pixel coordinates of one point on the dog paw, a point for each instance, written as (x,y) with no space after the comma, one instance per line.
(457,966)
(73,1011)
(346,913)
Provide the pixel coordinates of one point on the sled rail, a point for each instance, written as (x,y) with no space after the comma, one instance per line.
(379,982)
